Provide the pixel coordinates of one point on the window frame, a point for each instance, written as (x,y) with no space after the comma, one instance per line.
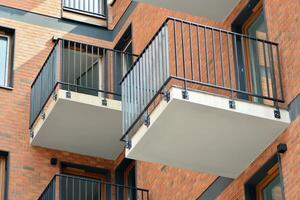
(5,155)
(10,34)
(8,68)
(271,175)
(88,13)
(256,12)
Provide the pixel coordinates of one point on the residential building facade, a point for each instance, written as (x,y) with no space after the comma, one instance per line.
(149,99)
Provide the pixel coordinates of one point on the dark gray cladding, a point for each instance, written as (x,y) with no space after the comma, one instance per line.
(215,189)
(294,108)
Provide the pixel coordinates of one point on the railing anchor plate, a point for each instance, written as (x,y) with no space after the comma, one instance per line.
(147,120)
(166,95)
(104,102)
(185,94)
(277,113)
(232,104)
(68,94)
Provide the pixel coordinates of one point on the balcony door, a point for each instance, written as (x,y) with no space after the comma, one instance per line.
(257,54)
(81,184)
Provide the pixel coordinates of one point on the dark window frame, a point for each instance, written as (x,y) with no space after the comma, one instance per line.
(6,155)
(10,34)
(250,186)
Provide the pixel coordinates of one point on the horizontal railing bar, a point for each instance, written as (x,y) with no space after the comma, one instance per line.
(220,29)
(195,24)
(227,89)
(101,182)
(88,88)
(53,179)
(85,11)
(67,40)
(96,46)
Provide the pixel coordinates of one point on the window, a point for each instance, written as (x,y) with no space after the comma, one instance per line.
(95,7)
(3,175)
(257,55)
(6,49)
(270,187)
(265,183)
(81,182)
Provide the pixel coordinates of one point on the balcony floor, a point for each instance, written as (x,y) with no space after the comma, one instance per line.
(204,134)
(81,124)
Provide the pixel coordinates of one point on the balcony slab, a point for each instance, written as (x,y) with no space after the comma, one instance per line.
(212,9)
(80,124)
(204,134)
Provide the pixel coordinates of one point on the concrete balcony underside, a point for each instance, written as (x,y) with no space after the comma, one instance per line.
(212,9)
(204,134)
(80,124)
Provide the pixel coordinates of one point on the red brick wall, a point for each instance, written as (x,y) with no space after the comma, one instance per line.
(30,170)
(283,27)
(169,183)
(45,7)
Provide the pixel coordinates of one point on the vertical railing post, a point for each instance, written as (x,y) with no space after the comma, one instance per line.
(184,92)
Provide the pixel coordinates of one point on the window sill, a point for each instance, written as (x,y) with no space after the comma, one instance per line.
(85,13)
(84,17)
(6,87)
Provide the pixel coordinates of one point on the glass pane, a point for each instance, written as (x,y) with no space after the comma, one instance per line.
(273,190)
(259,58)
(3,61)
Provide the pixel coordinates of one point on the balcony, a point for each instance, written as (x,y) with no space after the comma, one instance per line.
(212,9)
(79,188)
(203,98)
(75,100)
(87,11)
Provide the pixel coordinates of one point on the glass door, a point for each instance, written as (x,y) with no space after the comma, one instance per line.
(257,55)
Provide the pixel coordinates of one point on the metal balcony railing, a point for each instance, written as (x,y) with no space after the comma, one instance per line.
(199,57)
(68,187)
(79,67)
(93,7)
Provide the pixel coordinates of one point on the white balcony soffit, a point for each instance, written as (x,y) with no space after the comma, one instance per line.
(81,124)
(204,134)
(216,10)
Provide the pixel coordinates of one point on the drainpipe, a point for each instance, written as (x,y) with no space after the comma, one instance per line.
(281,149)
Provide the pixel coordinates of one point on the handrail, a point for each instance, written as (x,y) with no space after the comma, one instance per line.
(57,179)
(196,24)
(240,66)
(78,67)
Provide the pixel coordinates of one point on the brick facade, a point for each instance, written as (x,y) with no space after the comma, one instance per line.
(30,169)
